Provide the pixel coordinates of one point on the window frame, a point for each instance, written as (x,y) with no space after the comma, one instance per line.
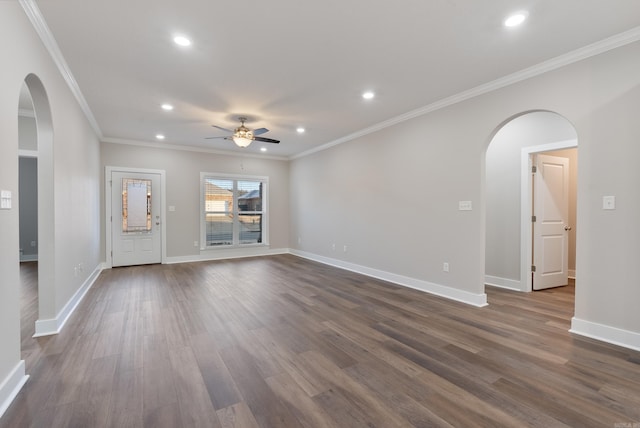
(235,211)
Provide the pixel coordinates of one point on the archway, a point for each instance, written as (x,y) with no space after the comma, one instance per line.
(28,221)
(508,220)
(45,199)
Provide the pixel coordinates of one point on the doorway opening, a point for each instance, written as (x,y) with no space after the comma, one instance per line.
(36,208)
(552,204)
(133,202)
(509,227)
(28,220)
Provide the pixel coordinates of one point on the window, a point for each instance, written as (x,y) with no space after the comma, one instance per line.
(234,210)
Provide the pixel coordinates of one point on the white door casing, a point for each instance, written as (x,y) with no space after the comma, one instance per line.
(136,217)
(550,229)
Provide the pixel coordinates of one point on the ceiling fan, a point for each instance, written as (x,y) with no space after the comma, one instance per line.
(243,136)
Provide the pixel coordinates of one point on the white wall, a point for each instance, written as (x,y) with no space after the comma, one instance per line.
(183,192)
(422,168)
(75,233)
(503,186)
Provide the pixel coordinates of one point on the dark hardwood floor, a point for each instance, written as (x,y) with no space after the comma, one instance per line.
(285,342)
(28,310)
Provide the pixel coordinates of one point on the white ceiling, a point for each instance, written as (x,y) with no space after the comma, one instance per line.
(290,63)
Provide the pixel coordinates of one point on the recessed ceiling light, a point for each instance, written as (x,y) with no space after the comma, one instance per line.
(263,149)
(167,107)
(182,41)
(368,95)
(300,130)
(160,137)
(515,19)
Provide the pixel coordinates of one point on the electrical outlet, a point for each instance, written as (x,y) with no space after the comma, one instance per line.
(464,205)
(344,249)
(333,247)
(299,240)
(445,267)
(195,243)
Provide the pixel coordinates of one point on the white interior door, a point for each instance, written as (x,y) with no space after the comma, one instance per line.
(136,233)
(550,229)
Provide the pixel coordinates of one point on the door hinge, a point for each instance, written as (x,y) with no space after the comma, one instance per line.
(533,268)
(533,219)
(534,169)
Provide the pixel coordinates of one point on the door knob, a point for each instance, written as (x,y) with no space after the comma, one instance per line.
(567,228)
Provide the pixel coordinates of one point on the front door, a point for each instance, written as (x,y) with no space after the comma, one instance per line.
(136,233)
(551,211)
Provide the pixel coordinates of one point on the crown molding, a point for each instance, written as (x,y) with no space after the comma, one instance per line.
(37,21)
(196,149)
(585,52)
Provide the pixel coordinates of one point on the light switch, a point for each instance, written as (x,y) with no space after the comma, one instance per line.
(172,208)
(608,202)
(5,199)
(464,205)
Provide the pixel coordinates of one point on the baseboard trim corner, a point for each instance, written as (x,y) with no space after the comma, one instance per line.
(506,283)
(12,385)
(221,254)
(606,333)
(478,300)
(47,327)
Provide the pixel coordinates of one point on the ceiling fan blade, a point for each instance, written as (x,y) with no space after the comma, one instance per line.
(266,140)
(211,138)
(260,131)
(223,129)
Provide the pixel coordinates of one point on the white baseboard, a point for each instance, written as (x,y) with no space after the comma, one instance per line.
(53,326)
(606,333)
(11,386)
(478,300)
(222,254)
(509,284)
(28,257)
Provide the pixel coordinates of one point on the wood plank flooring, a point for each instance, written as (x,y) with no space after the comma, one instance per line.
(284,342)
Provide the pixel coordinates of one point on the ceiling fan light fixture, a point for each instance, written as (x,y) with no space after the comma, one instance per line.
(242,135)
(241,141)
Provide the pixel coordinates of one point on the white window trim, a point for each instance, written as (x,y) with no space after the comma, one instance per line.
(265,209)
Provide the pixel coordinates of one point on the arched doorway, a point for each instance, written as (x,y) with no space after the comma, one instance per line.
(28,221)
(509,227)
(45,198)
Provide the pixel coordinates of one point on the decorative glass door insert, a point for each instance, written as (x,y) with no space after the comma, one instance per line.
(136,205)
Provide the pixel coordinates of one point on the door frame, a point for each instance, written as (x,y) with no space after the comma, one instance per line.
(526,206)
(108,170)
